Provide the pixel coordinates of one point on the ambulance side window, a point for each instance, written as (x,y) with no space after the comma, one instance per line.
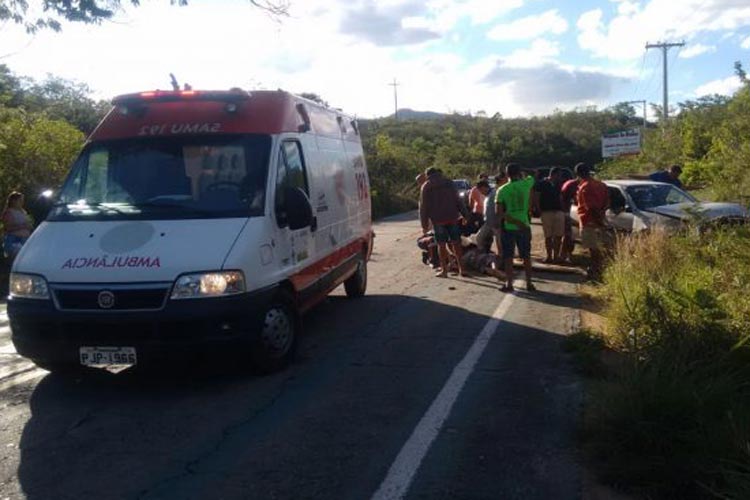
(291,174)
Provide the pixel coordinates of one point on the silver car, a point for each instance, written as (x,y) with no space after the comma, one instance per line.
(640,205)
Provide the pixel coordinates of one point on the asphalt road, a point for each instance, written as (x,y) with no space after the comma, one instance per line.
(425,388)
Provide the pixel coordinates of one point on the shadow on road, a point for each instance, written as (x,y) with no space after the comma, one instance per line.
(327,427)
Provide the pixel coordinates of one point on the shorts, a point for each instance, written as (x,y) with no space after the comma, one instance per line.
(486,236)
(445,233)
(553,223)
(593,238)
(517,238)
(12,245)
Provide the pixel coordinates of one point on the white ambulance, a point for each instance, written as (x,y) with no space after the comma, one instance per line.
(194,220)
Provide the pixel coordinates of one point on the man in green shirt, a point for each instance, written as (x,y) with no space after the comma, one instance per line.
(512,204)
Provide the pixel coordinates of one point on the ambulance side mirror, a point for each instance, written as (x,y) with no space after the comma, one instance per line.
(298,209)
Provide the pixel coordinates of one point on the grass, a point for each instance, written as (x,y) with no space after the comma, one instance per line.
(586,347)
(673,421)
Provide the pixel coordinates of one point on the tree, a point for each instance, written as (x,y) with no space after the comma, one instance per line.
(67,100)
(741,73)
(35,152)
(314,97)
(94,11)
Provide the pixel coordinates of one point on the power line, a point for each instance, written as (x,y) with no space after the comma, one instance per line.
(640,74)
(648,90)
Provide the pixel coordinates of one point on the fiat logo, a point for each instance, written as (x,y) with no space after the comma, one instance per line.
(106,299)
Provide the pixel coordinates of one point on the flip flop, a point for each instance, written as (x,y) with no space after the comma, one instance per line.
(441,275)
(507,289)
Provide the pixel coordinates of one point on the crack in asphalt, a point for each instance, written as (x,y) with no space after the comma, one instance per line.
(190,467)
(87,416)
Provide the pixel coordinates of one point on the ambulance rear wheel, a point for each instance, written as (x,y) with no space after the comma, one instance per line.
(356,284)
(276,341)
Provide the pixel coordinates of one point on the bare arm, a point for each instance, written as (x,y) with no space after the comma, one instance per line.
(423,212)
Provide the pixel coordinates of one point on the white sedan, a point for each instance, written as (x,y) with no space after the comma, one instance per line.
(640,205)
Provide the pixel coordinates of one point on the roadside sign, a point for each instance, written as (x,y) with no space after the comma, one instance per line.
(623,142)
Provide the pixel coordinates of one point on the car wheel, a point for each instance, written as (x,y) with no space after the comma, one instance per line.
(276,340)
(356,284)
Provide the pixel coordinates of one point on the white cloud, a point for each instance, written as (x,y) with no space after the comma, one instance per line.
(745,44)
(530,27)
(405,22)
(542,88)
(540,52)
(449,12)
(697,50)
(214,48)
(626,34)
(724,86)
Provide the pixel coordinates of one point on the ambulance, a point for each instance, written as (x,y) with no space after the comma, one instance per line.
(195,221)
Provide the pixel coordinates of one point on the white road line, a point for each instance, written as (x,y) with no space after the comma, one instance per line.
(404,468)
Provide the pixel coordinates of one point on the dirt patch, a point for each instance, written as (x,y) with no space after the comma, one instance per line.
(592,309)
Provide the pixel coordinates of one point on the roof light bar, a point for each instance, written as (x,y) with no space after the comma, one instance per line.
(178,95)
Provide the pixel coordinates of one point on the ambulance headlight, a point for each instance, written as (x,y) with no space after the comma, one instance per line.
(215,284)
(28,286)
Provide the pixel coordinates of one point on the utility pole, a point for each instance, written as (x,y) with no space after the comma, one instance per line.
(395,85)
(664,48)
(643,102)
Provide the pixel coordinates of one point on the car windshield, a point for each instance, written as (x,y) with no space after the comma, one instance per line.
(167,178)
(648,196)
(461,184)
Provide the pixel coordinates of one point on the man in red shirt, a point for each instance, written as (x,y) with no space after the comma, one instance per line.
(593,200)
(567,196)
(476,197)
(440,206)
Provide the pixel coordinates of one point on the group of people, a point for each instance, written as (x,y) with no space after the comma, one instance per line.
(506,210)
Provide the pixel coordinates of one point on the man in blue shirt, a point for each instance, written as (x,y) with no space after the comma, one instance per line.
(672,176)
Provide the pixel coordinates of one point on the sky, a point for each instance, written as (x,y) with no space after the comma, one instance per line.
(513,57)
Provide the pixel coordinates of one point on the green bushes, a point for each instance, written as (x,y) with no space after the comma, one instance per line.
(35,152)
(675,421)
(710,138)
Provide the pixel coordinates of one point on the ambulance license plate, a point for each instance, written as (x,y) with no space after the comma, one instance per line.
(106,356)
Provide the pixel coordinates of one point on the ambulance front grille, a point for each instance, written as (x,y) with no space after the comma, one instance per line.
(121,299)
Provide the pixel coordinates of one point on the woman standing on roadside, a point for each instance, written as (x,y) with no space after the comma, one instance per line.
(16,224)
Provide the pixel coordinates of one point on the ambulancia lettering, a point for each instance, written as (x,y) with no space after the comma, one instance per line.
(111,262)
(180,128)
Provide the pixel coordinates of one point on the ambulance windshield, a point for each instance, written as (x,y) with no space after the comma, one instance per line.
(166,178)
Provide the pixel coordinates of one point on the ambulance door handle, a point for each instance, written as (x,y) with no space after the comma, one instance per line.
(314,224)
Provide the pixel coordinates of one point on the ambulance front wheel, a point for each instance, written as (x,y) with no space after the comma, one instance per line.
(274,345)
(356,284)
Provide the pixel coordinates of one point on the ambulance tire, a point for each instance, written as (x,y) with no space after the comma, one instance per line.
(356,284)
(276,342)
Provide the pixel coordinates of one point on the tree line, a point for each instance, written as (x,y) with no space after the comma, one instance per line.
(464,146)
(43,125)
(710,138)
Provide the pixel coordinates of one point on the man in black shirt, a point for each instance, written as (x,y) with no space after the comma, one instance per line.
(553,218)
